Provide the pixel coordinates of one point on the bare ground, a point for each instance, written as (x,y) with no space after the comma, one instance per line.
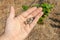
(50,30)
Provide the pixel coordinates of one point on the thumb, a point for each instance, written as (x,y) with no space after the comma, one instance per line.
(12,12)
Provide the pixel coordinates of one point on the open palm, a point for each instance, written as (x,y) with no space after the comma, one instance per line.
(16,29)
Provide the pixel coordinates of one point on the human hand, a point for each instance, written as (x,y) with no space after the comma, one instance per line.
(15,27)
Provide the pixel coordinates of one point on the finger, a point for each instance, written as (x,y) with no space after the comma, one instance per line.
(25,14)
(12,12)
(35,20)
(35,13)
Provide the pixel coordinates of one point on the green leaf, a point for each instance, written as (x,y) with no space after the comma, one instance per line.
(25,7)
(40,20)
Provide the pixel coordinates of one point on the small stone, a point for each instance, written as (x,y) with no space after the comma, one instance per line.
(29,21)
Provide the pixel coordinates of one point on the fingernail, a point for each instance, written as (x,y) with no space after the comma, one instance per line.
(40,8)
(35,7)
(41,13)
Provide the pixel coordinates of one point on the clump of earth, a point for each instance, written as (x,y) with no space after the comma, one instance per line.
(50,30)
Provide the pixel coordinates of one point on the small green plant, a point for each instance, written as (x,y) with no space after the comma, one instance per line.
(46,9)
(25,7)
